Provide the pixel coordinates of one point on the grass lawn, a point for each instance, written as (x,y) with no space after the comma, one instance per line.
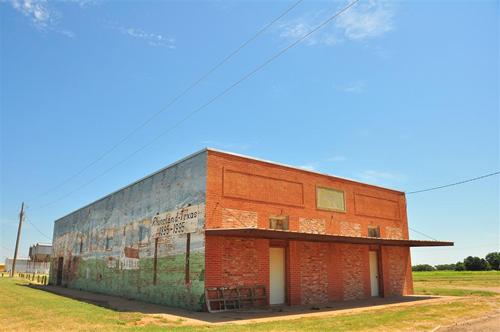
(452,292)
(459,278)
(26,309)
(453,283)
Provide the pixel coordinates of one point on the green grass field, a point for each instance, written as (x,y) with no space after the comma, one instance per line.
(462,278)
(26,309)
(453,283)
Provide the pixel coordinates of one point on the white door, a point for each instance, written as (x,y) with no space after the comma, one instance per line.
(374,273)
(276,275)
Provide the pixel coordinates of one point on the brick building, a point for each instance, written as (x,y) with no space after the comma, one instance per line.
(220,220)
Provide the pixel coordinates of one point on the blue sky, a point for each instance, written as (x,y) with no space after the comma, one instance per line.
(403,95)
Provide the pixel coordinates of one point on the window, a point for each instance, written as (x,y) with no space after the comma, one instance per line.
(278,222)
(330,199)
(109,239)
(373,231)
(143,236)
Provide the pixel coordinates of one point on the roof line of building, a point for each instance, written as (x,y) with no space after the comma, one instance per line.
(302,169)
(192,155)
(227,153)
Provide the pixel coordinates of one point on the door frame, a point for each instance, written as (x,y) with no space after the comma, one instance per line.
(59,273)
(377,249)
(280,244)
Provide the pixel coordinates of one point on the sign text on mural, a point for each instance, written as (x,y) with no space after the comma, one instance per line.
(179,221)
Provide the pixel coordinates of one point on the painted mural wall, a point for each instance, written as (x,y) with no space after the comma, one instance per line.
(145,241)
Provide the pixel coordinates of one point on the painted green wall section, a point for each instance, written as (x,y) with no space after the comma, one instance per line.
(111,246)
(169,289)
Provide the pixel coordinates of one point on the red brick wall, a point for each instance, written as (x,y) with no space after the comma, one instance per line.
(397,271)
(262,189)
(335,275)
(355,271)
(316,272)
(293,277)
(236,261)
(214,249)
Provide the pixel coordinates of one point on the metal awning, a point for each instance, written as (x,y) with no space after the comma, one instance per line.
(299,236)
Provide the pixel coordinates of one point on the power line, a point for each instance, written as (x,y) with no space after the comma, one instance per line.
(453,184)
(209,102)
(38,230)
(445,186)
(173,100)
(430,237)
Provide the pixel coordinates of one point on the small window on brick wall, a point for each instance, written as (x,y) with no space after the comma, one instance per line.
(330,199)
(278,222)
(373,231)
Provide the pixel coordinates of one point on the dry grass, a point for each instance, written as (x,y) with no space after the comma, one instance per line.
(26,309)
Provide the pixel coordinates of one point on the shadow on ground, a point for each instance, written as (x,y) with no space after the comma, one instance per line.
(272,313)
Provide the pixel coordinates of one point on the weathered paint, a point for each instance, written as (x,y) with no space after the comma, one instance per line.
(111,247)
(148,241)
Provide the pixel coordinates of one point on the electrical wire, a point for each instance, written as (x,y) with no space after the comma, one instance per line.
(430,237)
(453,184)
(209,102)
(446,186)
(172,101)
(38,230)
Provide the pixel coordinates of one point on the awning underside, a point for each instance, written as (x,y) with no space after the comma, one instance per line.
(289,235)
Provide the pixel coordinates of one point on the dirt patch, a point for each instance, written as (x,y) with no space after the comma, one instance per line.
(157,320)
(490,323)
(489,289)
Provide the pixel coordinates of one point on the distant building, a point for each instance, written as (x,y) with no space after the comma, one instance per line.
(217,220)
(39,255)
(40,252)
(21,265)
(38,261)
(26,265)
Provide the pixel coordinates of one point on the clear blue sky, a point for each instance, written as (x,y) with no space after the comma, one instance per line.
(401,94)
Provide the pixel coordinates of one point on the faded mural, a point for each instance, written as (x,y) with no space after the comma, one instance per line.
(145,241)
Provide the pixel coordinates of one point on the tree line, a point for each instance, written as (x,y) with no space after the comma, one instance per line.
(470,263)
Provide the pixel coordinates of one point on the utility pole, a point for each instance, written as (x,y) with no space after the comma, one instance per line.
(21,217)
